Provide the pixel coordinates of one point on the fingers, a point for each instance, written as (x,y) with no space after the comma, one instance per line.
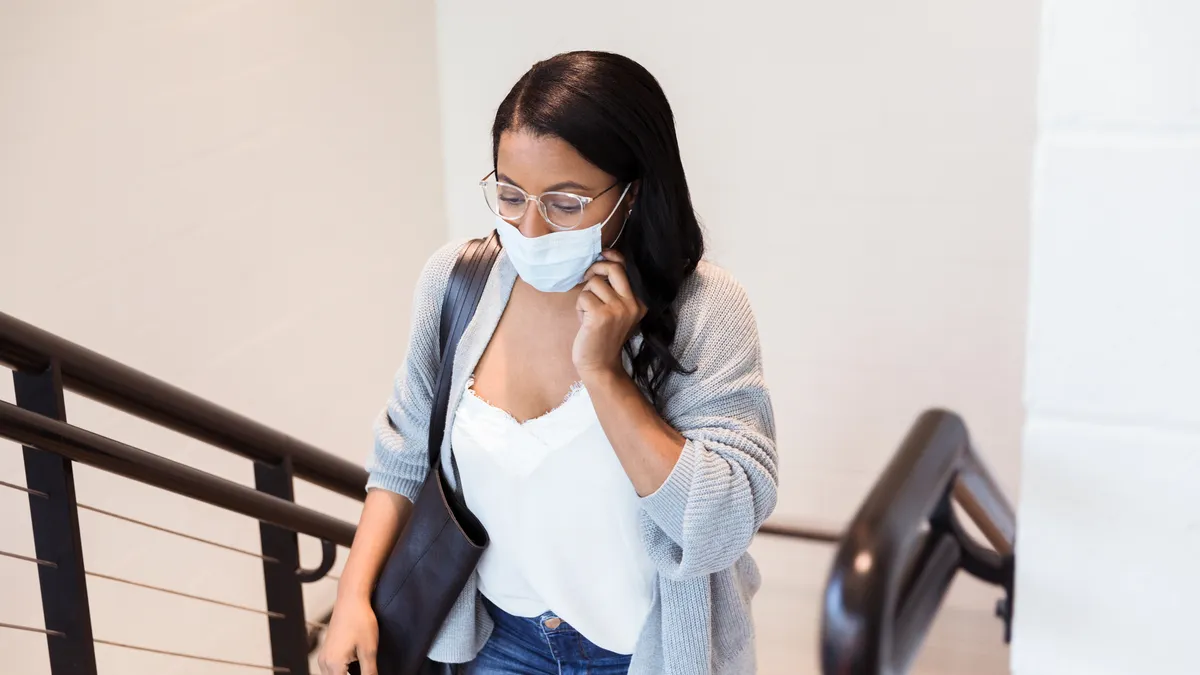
(367,660)
(607,284)
(588,302)
(615,273)
(335,659)
(600,287)
(332,667)
(613,255)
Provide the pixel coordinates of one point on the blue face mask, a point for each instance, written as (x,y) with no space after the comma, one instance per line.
(555,262)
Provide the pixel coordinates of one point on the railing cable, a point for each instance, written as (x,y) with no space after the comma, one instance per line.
(194,657)
(149,526)
(151,650)
(181,594)
(22,558)
(150,587)
(22,488)
(31,629)
(159,528)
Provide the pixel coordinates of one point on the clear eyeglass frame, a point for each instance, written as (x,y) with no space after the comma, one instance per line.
(564,212)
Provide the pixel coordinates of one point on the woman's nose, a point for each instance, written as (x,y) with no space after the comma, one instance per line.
(532,224)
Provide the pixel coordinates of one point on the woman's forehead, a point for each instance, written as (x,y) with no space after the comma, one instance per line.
(538,163)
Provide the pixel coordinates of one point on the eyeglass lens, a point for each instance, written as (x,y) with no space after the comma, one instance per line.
(561,209)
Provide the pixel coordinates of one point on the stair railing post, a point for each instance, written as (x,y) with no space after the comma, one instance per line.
(55,518)
(285,596)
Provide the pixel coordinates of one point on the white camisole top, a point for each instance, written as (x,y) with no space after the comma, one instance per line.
(562,516)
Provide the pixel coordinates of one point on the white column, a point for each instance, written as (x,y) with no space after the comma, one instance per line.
(1108,577)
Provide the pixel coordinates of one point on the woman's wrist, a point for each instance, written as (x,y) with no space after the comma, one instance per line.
(601,377)
(351,589)
(353,595)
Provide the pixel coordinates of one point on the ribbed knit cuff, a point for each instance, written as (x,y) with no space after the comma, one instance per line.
(668,504)
(405,487)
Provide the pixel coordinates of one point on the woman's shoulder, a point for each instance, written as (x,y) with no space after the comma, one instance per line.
(435,275)
(437,268)
(716,336)
(711,288)
(713,311)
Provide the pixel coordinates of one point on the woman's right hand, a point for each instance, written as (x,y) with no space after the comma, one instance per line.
(353,635)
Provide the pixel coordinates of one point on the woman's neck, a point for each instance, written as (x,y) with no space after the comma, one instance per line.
(547,302)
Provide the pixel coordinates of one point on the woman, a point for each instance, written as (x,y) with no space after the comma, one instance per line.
(609,418)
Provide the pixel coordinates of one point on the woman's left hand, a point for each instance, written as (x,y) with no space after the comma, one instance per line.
(608,312)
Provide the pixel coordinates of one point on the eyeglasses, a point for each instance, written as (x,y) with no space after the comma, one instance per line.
(562,210)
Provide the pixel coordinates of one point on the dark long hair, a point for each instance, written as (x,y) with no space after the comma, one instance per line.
(614,113)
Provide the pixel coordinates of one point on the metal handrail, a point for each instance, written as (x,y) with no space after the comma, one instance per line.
(902,549)
(28,348)
(79,445)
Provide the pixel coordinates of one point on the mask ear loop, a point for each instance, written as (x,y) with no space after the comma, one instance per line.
(627,215)
(622,230)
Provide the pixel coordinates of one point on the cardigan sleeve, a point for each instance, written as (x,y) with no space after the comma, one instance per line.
(400,460)
(725,483)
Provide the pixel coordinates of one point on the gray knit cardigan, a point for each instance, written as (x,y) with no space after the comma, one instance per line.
(696,527)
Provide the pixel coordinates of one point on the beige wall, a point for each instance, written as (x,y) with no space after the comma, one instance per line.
(235,197)
(863,168)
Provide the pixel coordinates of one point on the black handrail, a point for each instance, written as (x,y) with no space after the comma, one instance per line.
(28,348)
(85,447)
(902,549)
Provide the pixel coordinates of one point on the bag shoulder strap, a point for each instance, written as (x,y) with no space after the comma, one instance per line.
(467,281)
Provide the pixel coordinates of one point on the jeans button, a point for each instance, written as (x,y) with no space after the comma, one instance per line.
(552,623)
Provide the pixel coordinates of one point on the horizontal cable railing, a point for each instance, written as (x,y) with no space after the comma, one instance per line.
(43,367)
(148,586)
(903,548)
(191,657)
(182,535)
(25,558)
(55,636)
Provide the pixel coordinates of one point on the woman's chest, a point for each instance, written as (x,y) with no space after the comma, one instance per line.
(526,369)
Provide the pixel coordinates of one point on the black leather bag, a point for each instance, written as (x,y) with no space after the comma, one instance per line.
(439,547)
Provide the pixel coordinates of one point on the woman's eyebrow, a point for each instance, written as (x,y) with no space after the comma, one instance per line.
(568,184)
(505,179)
(564,185)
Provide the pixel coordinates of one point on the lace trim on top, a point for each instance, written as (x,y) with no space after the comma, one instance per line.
(574,391)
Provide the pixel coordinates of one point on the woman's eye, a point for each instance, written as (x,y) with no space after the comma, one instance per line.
(511,200)
(566,209)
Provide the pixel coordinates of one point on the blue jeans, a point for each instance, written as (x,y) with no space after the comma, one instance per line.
(544,645)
